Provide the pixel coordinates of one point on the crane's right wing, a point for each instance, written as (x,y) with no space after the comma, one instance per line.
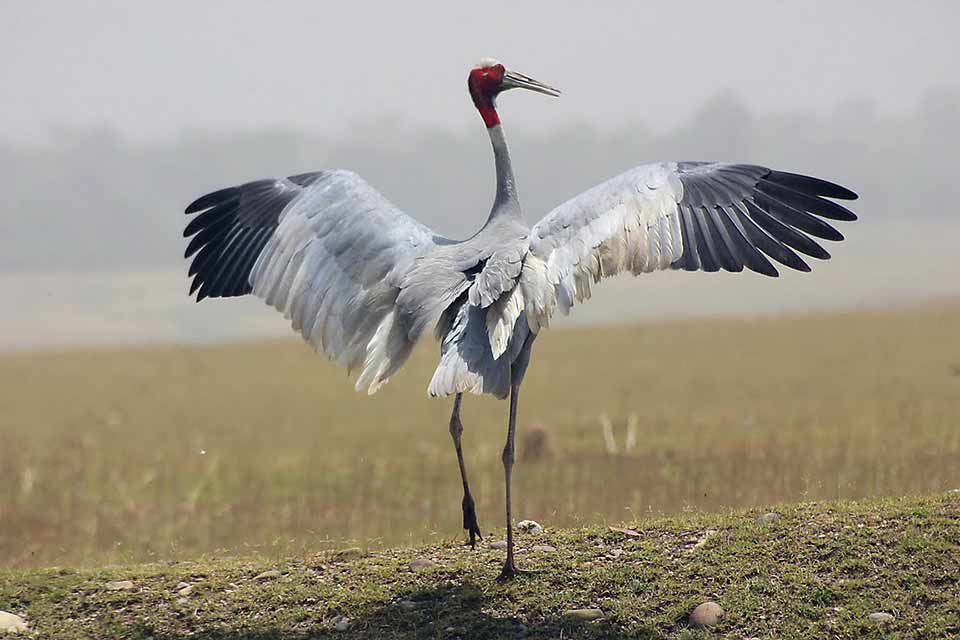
(325,249)
(696,216)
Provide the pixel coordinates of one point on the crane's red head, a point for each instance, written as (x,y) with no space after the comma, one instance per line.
(489,78)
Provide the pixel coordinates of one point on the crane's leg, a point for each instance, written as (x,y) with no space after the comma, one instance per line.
(509,567)
(470,524)
(517,371)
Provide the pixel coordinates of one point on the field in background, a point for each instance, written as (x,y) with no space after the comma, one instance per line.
(264,448)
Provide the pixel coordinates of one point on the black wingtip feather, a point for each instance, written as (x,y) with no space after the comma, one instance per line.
(811,185)
(213,198)
(806,202)
(230,230)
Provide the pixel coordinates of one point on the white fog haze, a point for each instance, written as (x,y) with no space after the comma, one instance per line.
(116,115)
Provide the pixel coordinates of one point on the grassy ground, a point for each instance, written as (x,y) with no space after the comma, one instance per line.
(816,572)
(263,449)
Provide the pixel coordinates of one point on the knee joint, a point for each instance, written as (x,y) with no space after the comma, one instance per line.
(507,456)
(456,427)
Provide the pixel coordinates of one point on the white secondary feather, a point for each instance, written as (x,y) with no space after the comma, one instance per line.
(628,224)
(501,316)
(346,308)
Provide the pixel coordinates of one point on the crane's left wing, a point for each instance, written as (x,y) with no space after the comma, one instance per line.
(329,252)
(681,215)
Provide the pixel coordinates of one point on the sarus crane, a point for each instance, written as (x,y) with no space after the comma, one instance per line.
(362,281)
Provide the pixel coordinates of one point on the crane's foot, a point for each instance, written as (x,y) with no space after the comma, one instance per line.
(470,524)
(509,571)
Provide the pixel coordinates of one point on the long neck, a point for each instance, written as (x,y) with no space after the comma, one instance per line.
(506,200)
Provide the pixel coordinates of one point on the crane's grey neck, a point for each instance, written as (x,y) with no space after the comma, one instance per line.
(506,201)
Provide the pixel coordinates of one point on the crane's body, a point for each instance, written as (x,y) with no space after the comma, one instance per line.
(362,281)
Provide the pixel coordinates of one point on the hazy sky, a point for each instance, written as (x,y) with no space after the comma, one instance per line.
(154,69)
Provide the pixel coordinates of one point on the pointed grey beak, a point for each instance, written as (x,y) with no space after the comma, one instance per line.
(514,80)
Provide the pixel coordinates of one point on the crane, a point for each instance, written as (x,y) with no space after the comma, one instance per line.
(362,281)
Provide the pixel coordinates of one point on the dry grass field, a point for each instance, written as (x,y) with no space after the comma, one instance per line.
(265,449)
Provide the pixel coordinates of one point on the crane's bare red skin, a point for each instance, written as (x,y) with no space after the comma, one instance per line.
(484,85)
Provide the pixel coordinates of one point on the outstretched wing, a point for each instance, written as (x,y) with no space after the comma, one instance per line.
(325,249)
(686,215)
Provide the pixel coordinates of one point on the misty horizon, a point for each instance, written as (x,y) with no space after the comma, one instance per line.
(121,115)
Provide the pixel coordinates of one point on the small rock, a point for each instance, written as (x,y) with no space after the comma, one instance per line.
(341,623)
(182,585)
(880,617)
(630,533)
(768,518)
(272,574)
(10,623)
(583,614)
(530,526)
(500,545)
(185,591)
(420,564)
(119,585)
(182,601)
(543,548)
(706,614)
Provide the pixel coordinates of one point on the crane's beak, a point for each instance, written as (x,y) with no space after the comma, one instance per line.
(514,80)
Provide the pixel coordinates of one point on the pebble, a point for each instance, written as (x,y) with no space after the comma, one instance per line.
(119,585)
(10,623)
(630,533)
(544,548)
(341,623)
(185,590)
(420,564)
(768,518)
(272,574)
(706,614)
(530,526)
(880,617)
(500,545)
(583,614)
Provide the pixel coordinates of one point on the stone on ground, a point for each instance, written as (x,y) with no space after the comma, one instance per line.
(583,614)
(768,518)
(341,623)
(530,526)
(544,548)
(119,585)
(500,545)
(706,614)
(10,623)
(880,617)
(419,564)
